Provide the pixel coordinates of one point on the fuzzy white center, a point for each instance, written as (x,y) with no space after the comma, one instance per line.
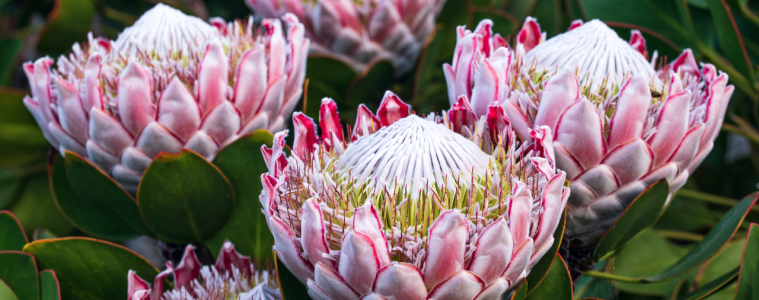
(413,152)
(593,49)
(165,30)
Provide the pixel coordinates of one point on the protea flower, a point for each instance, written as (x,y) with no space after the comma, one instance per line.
(403,207)
(618,124)
(232,277)
(169,82)
(361,32)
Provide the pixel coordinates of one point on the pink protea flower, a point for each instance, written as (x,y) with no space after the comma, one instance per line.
(617,127)
(361,32)
(409,209)
(232,277)
(169,82)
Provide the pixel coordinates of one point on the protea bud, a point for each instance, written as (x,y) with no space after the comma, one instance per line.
(410,209)
(618,126)
(232,277)
(361,32)
(169,82)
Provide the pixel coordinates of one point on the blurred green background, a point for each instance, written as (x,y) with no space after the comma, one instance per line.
(722,32)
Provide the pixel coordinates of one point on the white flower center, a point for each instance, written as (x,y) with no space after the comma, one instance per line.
(166,30)
(413,152)
(593,49)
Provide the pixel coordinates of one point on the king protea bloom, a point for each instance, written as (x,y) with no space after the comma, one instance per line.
(403,207)
(361,32)
(618,125)
(169,82)
(233,277)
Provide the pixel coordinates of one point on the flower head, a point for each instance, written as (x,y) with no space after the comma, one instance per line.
(232,277)
(169,82)
(410,209)
(361,32)
(617,127)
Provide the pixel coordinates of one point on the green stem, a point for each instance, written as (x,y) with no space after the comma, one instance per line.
(610,276)
(680,235)
(749,14)
(709,198)
(738,130)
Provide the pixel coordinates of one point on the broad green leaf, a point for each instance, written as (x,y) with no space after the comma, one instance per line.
(454,13)
(49,287)
(289,285)
(19,272)
(367,87)
(556,285)
(730,38)
(12,236)
(521,292)
(749,274)
(78,210)
(104,195)
(35,207)
(540,270)
(242,163)
(647,254)
(5,292)
(641,213)
(89,269)
(68,23)
(728,259)
(713,286)
(184,198)
(712,242)
(9,49)
(327,77)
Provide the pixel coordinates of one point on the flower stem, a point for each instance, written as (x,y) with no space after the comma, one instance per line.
(680,235)
(610,276)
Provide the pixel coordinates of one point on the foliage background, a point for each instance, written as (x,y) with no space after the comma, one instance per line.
(722,32)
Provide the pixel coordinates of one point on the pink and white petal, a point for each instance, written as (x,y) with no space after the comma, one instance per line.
(332,284)
(494,291)
(366,220)
(530,35)
(329,121)
(158,281)
(313,236)
(222,123)
(579,130)
(492,252)
(630,114)
(358,261)
(134,159)
(366,123)
(213,76)
(43,94)
(274,97)
(202,144)
(288,250)
(277,54)
(230,259)
(250,84)
(519,121)
(178,111)
(486,89)
(188,269)
(601,180)
(464,285)
(305,135)
(541,251)
(450,80)
(400,281)
(700,156)
(92,94)
(575,24)
(446,247)
(34,108)
(67,142)
(372,296)
(71,114)
(670,127)
(516,268)
(520,212)
(135,284)
(560,91)
(630,160)
(315,292)
(637,42)
(108,133)
(156,139)
(134,99)
(688,147)
(392,109)
(552,200)
(713,109)
(101,158)
(464,62)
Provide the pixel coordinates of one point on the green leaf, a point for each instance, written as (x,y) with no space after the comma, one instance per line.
(9,49)
(5,292)
(730,38)
(521,292)
(749,274)
(184,198)
(641,213)
(12,236)
(327,77)
(103,196)
(289,285)
(368,87)
(78,210)
(242,163)
(540,270)
(556,285)
(68,23)
(22,140)
(49,287)
(89,269)
(727,260)
(718,236)
(19,272)
(712,287)
(35,207)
